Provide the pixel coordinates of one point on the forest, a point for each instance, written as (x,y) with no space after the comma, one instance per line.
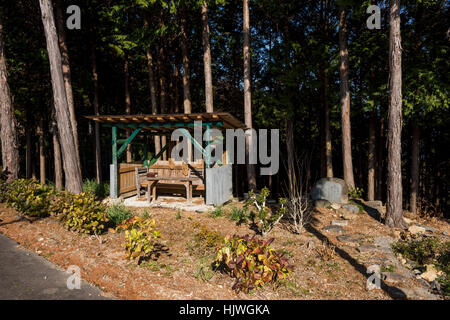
(365,104)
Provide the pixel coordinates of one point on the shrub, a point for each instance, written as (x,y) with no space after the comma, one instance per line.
(206,240)
(118,213)
(423,251)
(217,212)
(140,236)
(29,197)
(252,262)
(237,214)
(83,213)
(356,193)
(264,218)
(100,190)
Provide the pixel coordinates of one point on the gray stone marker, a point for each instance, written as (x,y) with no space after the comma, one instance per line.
(331,189)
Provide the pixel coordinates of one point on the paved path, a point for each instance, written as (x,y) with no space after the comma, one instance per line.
(26,275)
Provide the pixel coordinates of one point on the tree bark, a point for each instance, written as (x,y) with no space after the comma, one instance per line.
(371,158)
(347,162)
(71,167)
(151,80)
(28,153)
(98,155)
(414,167)
(67,74)
(126,80)
(8,131)
(326,107)
(207,59)
(394,218)
(57,157)
(162,93)
(251,175)
(42,175)
(185,58)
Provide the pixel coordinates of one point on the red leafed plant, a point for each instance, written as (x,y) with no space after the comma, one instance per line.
(252,262)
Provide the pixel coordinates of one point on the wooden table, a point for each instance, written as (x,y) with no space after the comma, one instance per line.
(187,183)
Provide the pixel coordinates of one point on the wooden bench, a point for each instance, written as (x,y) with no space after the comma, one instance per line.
(171,175)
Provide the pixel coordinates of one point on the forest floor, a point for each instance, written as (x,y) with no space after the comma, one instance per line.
(325,268)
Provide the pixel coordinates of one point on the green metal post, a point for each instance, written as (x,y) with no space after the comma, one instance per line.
(208,146)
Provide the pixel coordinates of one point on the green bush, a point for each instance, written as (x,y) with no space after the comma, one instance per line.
(423,251)
(83,213)
(140,236)
(117,213)
(252,262)
(28,197)
(237,214)
(100,190)
(356,193)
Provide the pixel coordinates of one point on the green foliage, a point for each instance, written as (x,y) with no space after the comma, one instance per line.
(356,193)
(178,216)
(100,190)
(261,216)
(217,212)
(117,213)
(28,197)
(430,250)
(252,262)
(140,237)
(83,213)
(238,214)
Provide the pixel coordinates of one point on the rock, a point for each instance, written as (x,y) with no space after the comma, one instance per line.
(349,216)
(322,203)
(339,223)
(331,189)
(407,220)
(311,244)
(366,248)
(445,233)
(427,229)
(334,229)
(431,274)
(350,238)
(416,229)
(336,206)
(351,208)
(374,204)
(392,277)
(384,242)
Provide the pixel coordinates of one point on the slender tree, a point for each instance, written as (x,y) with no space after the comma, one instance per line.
(67,73)
(394,217)
(8,134)
(347,162)
(251,176)
(98,155)
(71,168)
(185,58)
(207,59)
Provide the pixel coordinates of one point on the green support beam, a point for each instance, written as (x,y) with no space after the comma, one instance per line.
(155,158)
(114,161)
(128,141)
(161,125)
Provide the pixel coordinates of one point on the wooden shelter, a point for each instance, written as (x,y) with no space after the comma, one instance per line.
(126,178)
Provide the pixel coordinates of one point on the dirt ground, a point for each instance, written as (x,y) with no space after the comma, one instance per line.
(324,267)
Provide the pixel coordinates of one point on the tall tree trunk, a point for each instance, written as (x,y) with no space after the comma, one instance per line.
(42,175)
(394,212)
(326,107)
(69,152)
(29,145)
(67,74)
(414,167)
(380,157)
(185,58)
(347,162)
(98,155)
(251,175)
(371,158)
(162,92)
(8,131)
(151,80)
(126,80)
(207,59)
(57,156)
